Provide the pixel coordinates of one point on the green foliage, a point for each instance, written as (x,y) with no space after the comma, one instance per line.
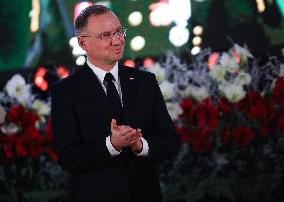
(33,180)
(275,33)
(190,178)
(200,12)
(241,11)
(56,49)
(15,24)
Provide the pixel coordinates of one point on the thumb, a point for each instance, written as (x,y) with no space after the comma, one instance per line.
(113,124)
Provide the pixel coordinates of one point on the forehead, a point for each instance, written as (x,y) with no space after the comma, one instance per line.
(103,23)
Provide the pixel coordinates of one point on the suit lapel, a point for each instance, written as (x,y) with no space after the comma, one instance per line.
(90,83)
(128,83)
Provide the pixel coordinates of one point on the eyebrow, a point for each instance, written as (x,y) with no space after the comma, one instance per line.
(107,32)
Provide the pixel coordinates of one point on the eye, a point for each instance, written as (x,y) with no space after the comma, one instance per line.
(106,35)
(117,33)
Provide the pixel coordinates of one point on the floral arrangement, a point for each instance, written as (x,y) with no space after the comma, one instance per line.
(28,161)
(229,114)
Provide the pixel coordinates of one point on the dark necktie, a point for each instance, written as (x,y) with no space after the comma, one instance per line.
(113,96)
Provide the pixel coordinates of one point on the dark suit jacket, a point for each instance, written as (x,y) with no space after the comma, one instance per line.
(81,118)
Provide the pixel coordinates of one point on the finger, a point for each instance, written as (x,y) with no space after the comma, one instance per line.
(131,136)
(131,132)
(138,132)
(123,127)
(134,141)
(113,124)
(125,130)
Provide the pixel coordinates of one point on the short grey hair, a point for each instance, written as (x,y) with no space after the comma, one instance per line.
(82,19)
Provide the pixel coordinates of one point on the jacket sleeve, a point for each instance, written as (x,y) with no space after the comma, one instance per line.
(74,154)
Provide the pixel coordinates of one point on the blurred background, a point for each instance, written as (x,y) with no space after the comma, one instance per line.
(233,150)
(39,33)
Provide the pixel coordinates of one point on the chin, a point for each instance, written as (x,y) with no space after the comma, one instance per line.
(118,56)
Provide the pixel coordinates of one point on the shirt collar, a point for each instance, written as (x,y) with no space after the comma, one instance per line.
(100,73)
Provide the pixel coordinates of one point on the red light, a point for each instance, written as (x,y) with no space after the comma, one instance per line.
(237,56)
(41,83)
(39,78)
(129,63)
(62,71)
(148,62)
(213,59)
(41,71)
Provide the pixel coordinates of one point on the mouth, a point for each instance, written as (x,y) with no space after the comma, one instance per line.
(118,50)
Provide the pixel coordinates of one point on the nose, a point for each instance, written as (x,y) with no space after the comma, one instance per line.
(116,39)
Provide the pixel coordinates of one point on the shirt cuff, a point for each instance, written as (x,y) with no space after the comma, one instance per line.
(110,147)
(145,148)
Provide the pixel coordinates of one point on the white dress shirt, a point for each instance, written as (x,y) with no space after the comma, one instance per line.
(101,75)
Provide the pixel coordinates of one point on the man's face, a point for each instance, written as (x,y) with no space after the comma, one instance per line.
(103,51)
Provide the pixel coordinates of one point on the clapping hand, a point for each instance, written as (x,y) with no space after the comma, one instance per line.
(125,136)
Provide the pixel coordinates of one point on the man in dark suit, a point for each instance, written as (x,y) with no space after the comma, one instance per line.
(110,130)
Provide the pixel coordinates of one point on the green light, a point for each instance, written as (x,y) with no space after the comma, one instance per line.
(281,6)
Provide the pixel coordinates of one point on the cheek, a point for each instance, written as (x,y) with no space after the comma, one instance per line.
(96,48)
(123,41)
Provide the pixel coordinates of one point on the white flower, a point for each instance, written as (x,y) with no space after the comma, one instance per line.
(243,53)
(218,73)
(174,109)
(234,93)
(42,108)
(242,79)
(198,93)
(281,73)
(2,114)
(167,89)
(40,122)
(229,63)
(10,128)
(158,71)
(17,88)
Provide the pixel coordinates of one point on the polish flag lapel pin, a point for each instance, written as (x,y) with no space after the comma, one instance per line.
(131,78)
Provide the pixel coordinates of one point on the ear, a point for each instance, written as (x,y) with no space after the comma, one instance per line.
(82,42)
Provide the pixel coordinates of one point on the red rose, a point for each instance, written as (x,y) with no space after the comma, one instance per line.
(16,114)
(207,114)
(8,150)
(245,103)
(187,106)
(278,91)
(33,134)
(29,119)
(224,105)
(8,146)
(36,142)
(201,140)
(36,149)
(259,110)
(21,117)
(243,136)
(274,122)
(48,131)
(22,146)
(52,154)
(184,134)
